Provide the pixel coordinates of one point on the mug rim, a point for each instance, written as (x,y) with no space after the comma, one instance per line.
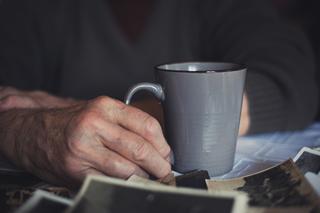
(237,67)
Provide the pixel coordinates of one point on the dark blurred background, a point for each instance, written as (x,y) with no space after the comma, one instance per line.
(304,15)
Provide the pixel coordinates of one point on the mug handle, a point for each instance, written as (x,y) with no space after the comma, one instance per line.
(155,89)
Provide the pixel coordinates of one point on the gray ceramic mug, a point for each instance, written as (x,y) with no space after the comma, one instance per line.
(202,104)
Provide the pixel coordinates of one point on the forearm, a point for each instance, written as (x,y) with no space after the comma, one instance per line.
(102,136)
(30,119)
(13,127)
(28,136)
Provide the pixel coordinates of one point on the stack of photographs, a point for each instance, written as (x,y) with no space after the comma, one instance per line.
(280,188)
(43,201)
(308,161)
(291,186)
(104,194)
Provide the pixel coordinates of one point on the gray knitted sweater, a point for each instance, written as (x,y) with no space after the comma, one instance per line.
(75,48)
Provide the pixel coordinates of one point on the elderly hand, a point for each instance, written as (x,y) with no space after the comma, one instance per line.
(101,136)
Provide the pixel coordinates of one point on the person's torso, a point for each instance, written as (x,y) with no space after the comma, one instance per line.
(96,58)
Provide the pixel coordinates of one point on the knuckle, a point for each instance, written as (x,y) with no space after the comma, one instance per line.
(118,108)
(115,109)
(140,152)
(111,167)
(118,104)
(109,106)
(102,101)
(165,150)
(164,170)
(109,164)
(152,126)
(114,167)
(87,118)
(137,171)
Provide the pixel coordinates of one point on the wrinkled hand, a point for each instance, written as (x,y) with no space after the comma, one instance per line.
(101,136)
(13,98)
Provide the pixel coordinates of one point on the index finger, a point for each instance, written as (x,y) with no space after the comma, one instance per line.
(142,124)
(132,147)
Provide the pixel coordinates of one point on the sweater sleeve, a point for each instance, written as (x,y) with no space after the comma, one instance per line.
(280,85)
(30,37)
(20,56)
